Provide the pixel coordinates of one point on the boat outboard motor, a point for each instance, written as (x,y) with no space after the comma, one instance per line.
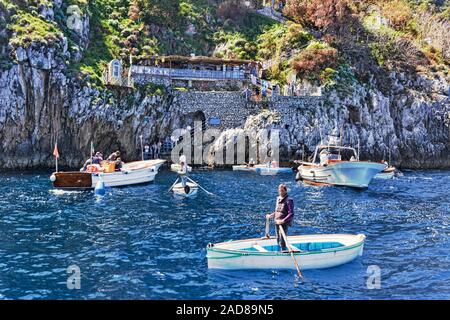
(100,189)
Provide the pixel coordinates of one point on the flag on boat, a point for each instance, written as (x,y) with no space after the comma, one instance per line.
(55,150)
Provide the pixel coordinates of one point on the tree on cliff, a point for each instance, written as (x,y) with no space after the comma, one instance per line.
(321,14)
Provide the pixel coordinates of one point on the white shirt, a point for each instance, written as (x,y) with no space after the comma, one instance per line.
(323,158)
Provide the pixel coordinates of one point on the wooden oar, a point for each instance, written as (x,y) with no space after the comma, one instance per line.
(174,184)
(283,234)
(210,193)
(267,234)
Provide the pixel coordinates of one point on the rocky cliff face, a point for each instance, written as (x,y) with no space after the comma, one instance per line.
(40,103)
(38,106)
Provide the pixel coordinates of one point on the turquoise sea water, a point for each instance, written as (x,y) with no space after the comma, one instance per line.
(142,243)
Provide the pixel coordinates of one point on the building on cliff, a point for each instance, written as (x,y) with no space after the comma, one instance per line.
(202,73)
(115,75)
(197,72)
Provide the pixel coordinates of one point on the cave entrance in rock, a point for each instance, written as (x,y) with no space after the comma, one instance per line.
(192,119)
(199,116)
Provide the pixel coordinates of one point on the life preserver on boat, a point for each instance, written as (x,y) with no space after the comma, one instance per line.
(93,168)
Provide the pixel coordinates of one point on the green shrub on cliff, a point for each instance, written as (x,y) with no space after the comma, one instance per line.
(278,44)
(365,36)
(29,28)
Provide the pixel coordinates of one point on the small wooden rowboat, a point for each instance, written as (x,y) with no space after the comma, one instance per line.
(190,190)
(388,173)
(310,251)
(136,172)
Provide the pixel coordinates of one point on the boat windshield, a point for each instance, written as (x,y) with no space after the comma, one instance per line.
(335,153)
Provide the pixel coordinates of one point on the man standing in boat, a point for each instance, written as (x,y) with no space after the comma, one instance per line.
(283,215)
(183,173)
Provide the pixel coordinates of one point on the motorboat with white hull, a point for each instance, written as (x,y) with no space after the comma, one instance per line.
(310,251)
(263,169)
(329,168)
(175,167)
(137,172)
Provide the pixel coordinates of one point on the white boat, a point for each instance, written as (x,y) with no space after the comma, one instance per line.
(131,173)
(310,251)
(272,170)
(243,167)
(175,167)
(329,168)
(262,169)
(179,190)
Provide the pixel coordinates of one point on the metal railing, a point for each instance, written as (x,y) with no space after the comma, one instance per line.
(189,73)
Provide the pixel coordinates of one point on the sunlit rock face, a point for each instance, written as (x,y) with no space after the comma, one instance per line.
(42,102)
(410,125)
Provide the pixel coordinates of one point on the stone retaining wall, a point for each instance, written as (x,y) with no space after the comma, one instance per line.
(232,108)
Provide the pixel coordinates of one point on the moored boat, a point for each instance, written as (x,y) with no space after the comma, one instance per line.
(388,173)
(262,169)
(338,165)
(310,251)
(189,190)
(175,167)
(131,173)
(272,170)
(243,167)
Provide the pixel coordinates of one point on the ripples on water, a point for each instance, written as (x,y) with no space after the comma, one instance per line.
(142,243)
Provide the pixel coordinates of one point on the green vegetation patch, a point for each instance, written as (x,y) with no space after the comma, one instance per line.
(29,28)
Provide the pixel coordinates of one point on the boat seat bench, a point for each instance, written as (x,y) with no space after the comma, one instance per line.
(259,248)
(306,246)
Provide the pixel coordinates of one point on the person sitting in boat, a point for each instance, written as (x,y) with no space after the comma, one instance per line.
(119,164)
(86,164)
(251,163)
(113,156)
(283,215)
(323,157)
(97,158)
(147,152)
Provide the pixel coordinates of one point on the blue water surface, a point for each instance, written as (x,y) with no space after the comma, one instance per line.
(142,243)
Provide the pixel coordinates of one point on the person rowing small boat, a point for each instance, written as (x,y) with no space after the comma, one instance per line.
(283,215)
(183,173)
